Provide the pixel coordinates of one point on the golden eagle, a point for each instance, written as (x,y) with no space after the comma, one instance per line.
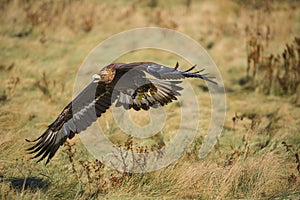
(138,85)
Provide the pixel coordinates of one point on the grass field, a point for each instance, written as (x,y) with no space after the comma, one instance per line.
(43,44)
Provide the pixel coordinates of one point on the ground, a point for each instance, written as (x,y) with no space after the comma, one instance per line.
(44,43)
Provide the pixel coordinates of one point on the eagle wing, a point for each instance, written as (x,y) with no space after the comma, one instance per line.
(79,114)
(150,92)
(166,73)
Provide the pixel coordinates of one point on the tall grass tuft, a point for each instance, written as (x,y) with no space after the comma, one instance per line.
(276,74)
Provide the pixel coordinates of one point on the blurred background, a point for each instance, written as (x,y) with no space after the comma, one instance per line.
(256,46)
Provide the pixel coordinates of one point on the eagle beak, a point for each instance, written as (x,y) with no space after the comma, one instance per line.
(96,78)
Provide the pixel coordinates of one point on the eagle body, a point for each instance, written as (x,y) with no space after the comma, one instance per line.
(138,85)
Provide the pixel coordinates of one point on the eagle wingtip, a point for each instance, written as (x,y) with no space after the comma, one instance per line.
(214,82)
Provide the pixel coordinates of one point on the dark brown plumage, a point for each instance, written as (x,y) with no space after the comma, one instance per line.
(138,85)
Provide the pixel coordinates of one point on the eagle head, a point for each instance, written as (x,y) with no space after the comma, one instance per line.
(106,75)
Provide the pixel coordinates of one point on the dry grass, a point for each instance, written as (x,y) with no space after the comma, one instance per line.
(273,74)
(257,156)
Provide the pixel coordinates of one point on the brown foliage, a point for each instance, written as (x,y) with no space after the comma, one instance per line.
(277,74)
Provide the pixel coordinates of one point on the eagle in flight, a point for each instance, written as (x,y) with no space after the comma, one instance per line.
(138,85)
